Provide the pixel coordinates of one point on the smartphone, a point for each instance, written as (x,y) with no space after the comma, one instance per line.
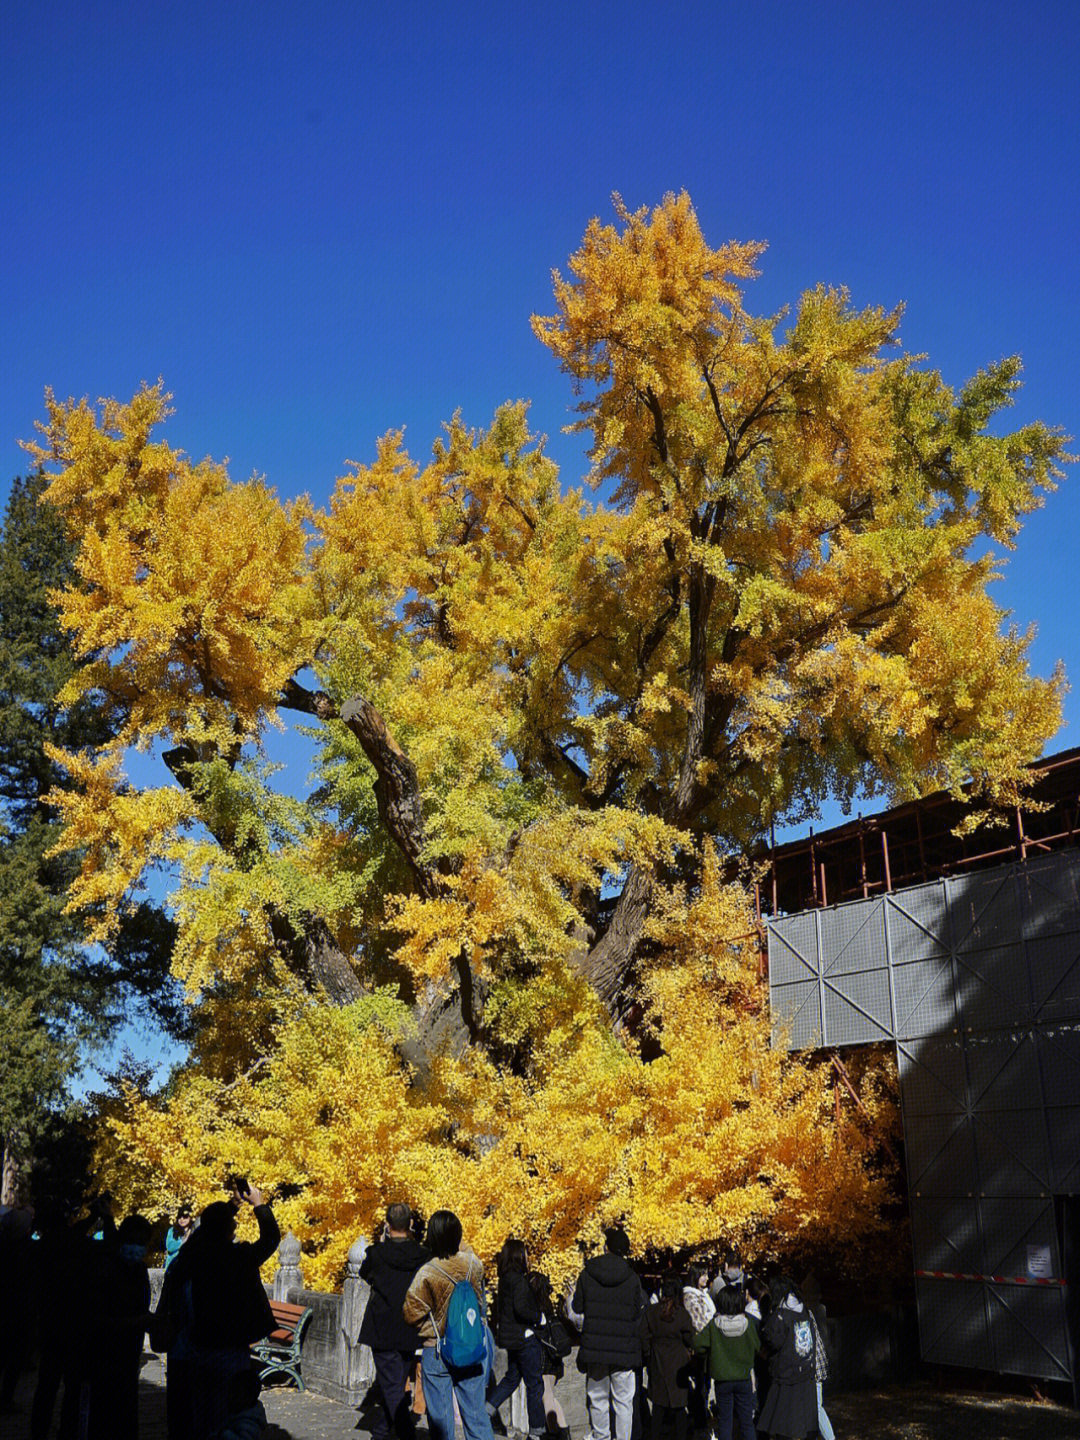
(237,1183)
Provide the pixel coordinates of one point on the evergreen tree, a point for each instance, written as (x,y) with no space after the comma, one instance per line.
(56,994)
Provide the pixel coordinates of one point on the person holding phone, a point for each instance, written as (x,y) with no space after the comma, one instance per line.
(215,1308)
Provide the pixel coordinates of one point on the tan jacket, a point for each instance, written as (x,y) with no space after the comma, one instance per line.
(430,1292)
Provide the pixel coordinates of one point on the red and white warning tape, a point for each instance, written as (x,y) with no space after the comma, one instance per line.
(991,1279)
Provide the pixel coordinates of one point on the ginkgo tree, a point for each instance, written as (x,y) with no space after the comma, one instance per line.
(498,956)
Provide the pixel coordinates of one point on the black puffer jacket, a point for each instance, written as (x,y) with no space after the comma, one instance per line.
(789,1337)
(389,1267)
(609,1297)
(516,1310)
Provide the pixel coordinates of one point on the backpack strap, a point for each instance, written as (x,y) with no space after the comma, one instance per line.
(434,1323)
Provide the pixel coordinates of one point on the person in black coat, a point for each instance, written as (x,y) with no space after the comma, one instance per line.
(388,1267)
(790,1408)
(16,1279)
(518,1317)
(212,1309)
(556,1340)
(667,1333)
(122,1286)
(609,1299)
(63,1260)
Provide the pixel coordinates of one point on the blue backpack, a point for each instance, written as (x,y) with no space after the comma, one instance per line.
(464,1342)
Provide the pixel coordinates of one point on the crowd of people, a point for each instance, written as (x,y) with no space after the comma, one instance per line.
(724,1354)
(93,1314)
(714,1351)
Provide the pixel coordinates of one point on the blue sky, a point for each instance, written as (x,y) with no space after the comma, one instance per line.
(321,222)
(318,223)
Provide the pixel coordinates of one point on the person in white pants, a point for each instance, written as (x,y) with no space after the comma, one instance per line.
(608,1302)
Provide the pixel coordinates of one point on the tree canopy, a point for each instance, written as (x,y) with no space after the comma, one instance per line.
(499,957)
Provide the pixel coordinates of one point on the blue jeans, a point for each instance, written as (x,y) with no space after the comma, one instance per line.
(734,1402)
(824,1424)
(526,1364)
(442,1386)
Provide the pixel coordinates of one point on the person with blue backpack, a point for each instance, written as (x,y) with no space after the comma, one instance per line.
(446,1302)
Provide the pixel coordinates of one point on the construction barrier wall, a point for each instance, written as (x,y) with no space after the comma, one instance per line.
(976,979)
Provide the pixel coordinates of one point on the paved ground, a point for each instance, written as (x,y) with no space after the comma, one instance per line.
(900,1413)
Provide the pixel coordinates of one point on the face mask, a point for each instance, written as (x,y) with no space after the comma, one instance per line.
(133,1254)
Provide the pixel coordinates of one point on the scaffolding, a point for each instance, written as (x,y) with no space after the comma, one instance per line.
(914,843)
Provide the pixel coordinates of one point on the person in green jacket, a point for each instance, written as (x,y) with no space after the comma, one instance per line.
(730,1341)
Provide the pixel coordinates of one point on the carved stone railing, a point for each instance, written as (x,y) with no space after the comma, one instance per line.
(333,1361)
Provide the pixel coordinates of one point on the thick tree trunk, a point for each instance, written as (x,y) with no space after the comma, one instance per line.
(9,1178)
(607,964)
(316,958)
(446,1015)
(442,1015)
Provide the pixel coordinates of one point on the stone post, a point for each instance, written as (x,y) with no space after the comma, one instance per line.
(288,1276)
(357,1369)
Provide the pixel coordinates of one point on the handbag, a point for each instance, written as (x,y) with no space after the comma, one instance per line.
(554,1336)
(416,1384)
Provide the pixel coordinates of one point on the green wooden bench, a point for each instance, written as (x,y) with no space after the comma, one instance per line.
(279,1353)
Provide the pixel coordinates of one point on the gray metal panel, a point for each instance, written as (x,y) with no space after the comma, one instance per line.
(853,938)
(953,1324)
(1028,1331)
(918,923)
(1058,1048)
(977,978)
(792,948)
(945,1235)
(1009,1226)
(982,908)
(942,1159)
(1054,968)
(1063,1125)
(857,1008)
(797,1007)
(1013,1153)
(933,1076)
(1013,1329)
(1049,891)
(992,986)
(925,997)
(1003,1071)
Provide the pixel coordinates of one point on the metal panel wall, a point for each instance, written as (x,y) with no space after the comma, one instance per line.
(977,980)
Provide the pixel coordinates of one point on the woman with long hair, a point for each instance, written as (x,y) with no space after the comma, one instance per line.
(518,1317)
(701,1308)
(555,1341)
(667,1334)
(791,1406)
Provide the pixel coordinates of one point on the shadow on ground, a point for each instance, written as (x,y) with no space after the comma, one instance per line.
(925,1413)
(920,1412)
